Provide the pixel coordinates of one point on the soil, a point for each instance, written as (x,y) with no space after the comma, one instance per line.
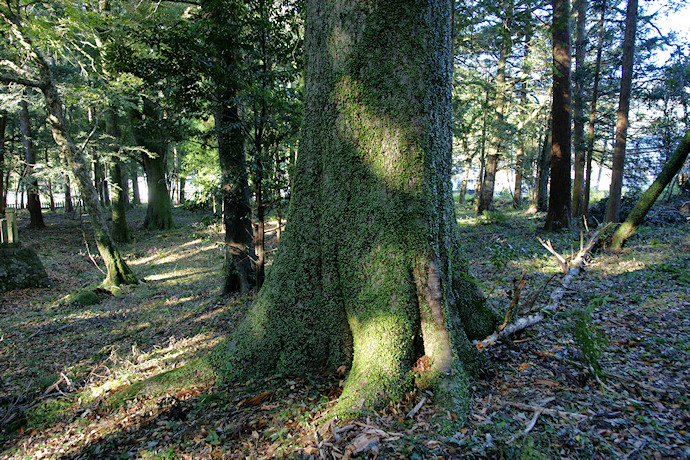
(605,376)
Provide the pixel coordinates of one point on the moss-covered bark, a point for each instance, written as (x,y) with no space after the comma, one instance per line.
(648,198)
(370,265)
(120,231)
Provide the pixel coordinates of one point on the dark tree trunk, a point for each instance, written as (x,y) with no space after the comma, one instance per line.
(560,208)
(34,199)
(614,203)
(118,208)
(3,126)
(540,200)
(650,196)
(136,197)
(593,113)
(578,120)
(50,185)
(235,192)
(67,190)
(485,200)
(370,265)
(159,208)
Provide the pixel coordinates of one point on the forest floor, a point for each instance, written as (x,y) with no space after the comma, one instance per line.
(627,315)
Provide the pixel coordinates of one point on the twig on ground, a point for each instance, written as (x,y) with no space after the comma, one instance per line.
(543,410)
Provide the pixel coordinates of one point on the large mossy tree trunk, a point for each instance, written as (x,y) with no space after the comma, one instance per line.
(560,211)
(370,273)
(649,197)
(33,197)
(148,134)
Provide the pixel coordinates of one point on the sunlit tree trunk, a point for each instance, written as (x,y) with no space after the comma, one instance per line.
(117,270)
(614,203)
(560,211)
(33,199)
(136,197)
(593,112)
(370,274)
(578,120)
(649,197)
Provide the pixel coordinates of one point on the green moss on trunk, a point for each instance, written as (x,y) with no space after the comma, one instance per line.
(370,263)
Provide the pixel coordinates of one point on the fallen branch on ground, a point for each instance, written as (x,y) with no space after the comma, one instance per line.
(573,268)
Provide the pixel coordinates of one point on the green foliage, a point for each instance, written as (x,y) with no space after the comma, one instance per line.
(588,338)
(492,217)
(48,411)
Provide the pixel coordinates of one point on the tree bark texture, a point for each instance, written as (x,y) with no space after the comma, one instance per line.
(136,197)
(370,273)
(3,126)
(593,112)
(118,205)
(615,191)
(560,208)
(578,120)
(33,197)
(649,197)
(147,134)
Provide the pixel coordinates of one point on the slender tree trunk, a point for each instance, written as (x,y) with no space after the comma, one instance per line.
(541,195)
(593,113)
(614,204)
(578,120)
(235,192)
(491,168)
(370,274)
(158,209)
(519,157)
(3,195)
(119,210)
(67,190)
(560,208)
(649,197)
(117,270)
(465,175)
(50,185)
(136,197)
(259,235)
(34,199)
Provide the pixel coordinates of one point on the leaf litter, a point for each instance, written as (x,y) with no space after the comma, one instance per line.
(539,396)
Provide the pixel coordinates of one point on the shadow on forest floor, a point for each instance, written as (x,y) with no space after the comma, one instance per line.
(628,314)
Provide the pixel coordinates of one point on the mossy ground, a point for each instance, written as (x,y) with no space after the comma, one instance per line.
(154,329)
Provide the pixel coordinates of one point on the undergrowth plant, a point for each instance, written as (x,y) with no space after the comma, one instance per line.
(589,339)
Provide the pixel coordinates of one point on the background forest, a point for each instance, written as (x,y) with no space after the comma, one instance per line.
(150,148)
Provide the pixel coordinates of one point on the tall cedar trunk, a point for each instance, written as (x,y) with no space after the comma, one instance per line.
(118,208)
(117,270)
(491,167)
(560,209)
(519,156)
(614,204)
(649,197)
(235,192)
(147,134)
(593,113)
(3,126)
(540,200)
(34,199)
(136,197)
(370,264)
(578,120)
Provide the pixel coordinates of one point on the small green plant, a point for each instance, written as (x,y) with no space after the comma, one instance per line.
(492,217)
(588,339)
